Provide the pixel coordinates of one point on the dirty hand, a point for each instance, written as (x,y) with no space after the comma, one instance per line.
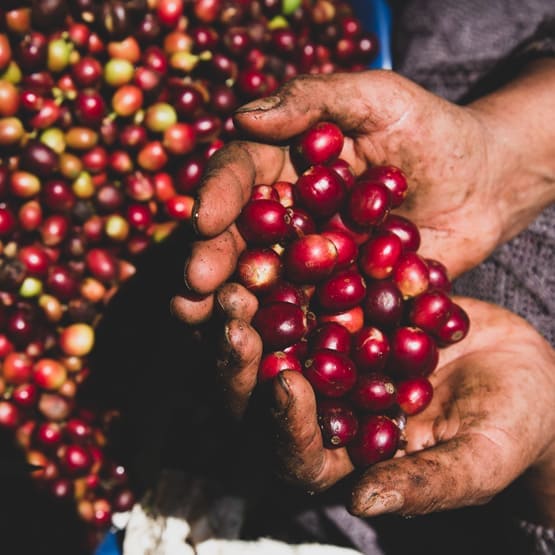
(478,174)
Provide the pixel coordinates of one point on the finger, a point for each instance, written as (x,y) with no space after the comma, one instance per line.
(467,470)
(236,302)
(296,106)
(348,100)
(302,456)
(190,308)
(213,261)
(232,301)
(229,177)
(237,364)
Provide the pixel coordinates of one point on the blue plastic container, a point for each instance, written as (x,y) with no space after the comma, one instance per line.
(376,17)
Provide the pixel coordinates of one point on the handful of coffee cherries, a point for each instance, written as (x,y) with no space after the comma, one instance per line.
(344,297)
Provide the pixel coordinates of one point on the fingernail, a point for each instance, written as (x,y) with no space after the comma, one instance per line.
(223,360)
(282,397)
(261,104)
(387,502)
(173,312)
(194,216)
(227,338)
(185,269)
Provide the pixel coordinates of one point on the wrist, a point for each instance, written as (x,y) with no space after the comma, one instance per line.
(518,122)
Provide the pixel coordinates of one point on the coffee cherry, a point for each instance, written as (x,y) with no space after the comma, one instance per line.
(411,275)
(437,275)
(330,372)
(377,439)
(352,319)
(320,144)
(123,500)
(274,363)
(430,310)
(455,328)
(344,170)
(48,435)
(347,249)
(320,190)
(10,415)
(300,222)
(413,352)
(367,204)
(17,368)
(62,489)
(77,339)
(329,335)
(78,431)
(373,392)
(263,222)
(393,178)
(370,349)
(25,395)
(285,292)
(337,421)
(406,230)
(309,259)
(383,304)
(49,374)
(414,394)
(379,255)
(259,270)
(76,460)
(280,324)
(341,291)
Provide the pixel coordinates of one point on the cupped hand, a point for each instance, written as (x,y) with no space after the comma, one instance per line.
(491,420)
(442,148)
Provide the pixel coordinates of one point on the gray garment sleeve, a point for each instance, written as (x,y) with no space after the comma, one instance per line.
(519,275)
(461,51)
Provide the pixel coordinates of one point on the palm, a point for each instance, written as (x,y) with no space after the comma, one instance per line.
(486,419)
(477,436)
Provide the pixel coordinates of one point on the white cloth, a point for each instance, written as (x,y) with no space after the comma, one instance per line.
(185,515)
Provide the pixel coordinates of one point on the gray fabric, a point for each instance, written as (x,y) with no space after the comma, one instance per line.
(449,47)
(364,538)
(520,275)
(540,540)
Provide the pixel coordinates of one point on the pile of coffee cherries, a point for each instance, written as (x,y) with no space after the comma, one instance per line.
(344,296)
(109,111)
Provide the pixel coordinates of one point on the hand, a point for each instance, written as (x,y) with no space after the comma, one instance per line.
(473,185)
(462,176)
(491,419)
(386,119)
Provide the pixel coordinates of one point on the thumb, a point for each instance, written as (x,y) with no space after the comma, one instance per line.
(466,470)
(357,102)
